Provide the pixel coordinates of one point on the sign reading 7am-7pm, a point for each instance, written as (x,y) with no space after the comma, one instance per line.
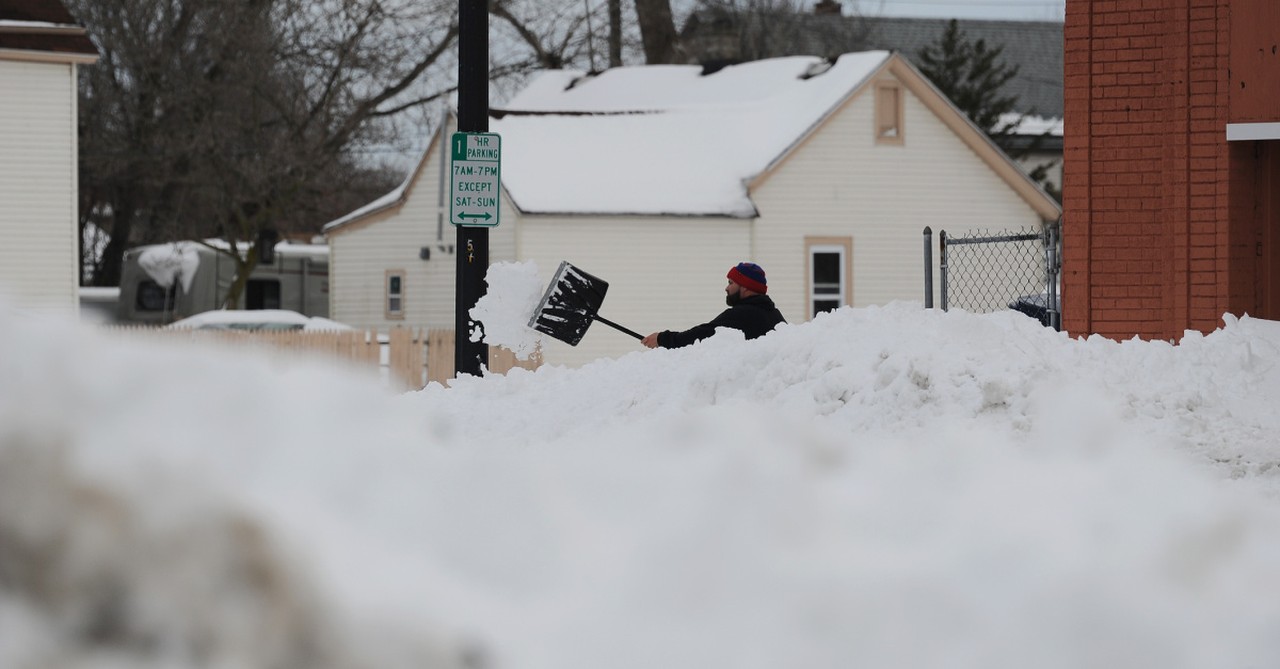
(473,194)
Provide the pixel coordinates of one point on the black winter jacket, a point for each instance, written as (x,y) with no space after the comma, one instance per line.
(754,315)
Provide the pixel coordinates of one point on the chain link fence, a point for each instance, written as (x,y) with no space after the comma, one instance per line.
(983,272)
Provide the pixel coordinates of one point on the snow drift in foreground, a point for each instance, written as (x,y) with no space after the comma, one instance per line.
(880,487)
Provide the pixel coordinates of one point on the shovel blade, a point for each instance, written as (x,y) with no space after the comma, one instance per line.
(570,304)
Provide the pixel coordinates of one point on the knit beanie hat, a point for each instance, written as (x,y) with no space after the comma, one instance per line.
(750,276)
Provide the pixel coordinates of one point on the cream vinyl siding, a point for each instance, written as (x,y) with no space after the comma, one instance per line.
(363,251)
(840,182)
(663,273)
(38,183)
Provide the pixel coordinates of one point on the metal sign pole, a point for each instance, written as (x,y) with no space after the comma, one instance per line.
(472,242)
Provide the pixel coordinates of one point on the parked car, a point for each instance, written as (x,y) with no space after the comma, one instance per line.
(256,319)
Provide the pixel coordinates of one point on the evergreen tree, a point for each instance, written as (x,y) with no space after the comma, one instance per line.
(972,75)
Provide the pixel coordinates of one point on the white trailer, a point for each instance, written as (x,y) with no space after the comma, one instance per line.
(162,283)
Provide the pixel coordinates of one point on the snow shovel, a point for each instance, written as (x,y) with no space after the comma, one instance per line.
(571,302)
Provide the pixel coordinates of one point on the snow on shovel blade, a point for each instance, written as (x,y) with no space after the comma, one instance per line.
(571,302)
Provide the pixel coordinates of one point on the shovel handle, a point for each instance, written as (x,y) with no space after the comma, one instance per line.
(617,327)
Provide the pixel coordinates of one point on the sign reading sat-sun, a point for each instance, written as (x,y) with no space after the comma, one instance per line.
(476,174)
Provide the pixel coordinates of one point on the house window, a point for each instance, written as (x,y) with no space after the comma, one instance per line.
(828,273)
(395,293)
(888,113)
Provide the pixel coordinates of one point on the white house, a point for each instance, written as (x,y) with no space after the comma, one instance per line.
(40,47)
(659,178)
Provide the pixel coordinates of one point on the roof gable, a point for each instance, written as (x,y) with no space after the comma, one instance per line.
(389,202)
(959,124)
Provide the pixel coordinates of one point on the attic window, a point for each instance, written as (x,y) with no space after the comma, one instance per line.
(888,113)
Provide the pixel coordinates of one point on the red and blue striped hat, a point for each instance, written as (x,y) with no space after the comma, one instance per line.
(750,276)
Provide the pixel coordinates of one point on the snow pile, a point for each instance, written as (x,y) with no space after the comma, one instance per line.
(880,487)
(167,263)
(513,290)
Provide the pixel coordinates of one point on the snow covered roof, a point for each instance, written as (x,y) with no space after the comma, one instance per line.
(256,319)
(10,25)
(672,140)
(664,139)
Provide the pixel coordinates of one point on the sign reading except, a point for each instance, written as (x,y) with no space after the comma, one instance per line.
(476,175)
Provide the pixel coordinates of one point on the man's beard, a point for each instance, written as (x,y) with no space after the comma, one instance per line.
(732,299)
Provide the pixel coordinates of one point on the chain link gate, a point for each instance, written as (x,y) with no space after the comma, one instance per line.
(982,272)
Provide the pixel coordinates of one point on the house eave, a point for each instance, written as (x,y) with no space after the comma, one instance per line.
(39,28)
(37,56)
(357,218)
(801,139)
(341,226)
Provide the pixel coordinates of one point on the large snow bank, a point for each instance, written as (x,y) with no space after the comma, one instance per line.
(880,487)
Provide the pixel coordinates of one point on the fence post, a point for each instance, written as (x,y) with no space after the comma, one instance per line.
(1051,291)
(942,266)
(440,357)
(928,267)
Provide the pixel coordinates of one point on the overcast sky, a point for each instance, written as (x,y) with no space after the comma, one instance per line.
(1021,10)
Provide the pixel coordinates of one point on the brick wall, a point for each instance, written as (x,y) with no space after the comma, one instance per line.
(1146,248)
(1255,61)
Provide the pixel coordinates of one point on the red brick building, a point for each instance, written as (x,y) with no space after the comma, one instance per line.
(1171,165)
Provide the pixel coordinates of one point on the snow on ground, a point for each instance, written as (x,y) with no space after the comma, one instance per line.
(885,487)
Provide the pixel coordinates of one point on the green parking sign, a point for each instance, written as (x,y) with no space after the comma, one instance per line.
(476,175)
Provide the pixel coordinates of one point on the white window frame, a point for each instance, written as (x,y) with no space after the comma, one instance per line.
(388,296)
(843,248)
